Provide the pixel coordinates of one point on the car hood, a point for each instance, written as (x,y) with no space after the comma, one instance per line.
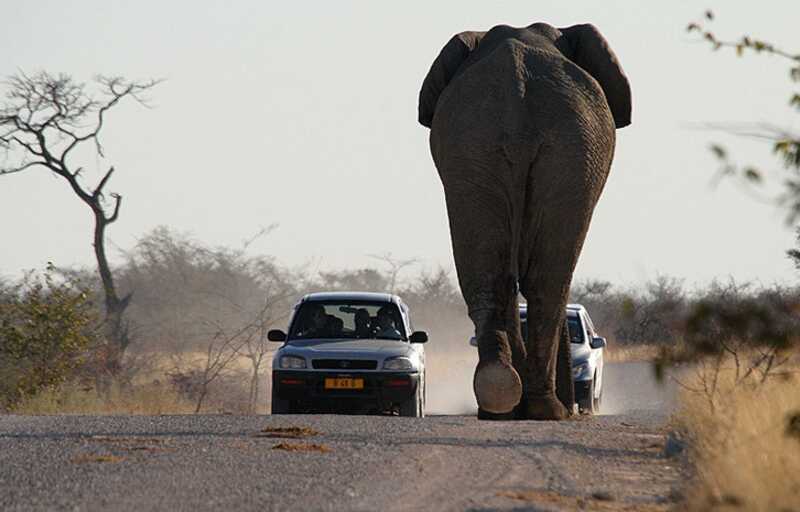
(360,349)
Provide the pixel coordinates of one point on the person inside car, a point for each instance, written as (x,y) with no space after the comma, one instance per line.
(361,320)
(335,326)
(386,324)
(315,324)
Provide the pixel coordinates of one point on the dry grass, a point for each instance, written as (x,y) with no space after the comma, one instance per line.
(745,455)
(288,432)
(302,447)
(73,399)
(91,458)
(630,353)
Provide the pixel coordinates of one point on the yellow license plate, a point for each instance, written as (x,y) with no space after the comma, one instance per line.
(344,383)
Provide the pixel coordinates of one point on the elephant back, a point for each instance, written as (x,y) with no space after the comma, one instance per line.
(518,95)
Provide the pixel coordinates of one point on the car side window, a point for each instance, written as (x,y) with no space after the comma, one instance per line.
(589,326)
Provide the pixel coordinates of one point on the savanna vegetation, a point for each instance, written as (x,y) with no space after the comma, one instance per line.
(740,404)
(198,318)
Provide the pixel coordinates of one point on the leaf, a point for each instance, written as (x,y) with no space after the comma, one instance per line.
(719,151)
(753,175)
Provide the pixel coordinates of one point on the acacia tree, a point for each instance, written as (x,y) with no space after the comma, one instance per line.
(45,121)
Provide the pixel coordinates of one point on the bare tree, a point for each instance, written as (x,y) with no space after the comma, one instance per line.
(257,347)
(222,349)
(44,120)
(395,266)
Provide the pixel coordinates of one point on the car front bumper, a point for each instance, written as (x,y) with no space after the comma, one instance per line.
(381,392)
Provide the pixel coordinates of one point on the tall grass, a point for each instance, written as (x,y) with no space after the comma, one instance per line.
(147,399)
(745,454)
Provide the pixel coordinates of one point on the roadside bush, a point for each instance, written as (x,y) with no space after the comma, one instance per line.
(46,327)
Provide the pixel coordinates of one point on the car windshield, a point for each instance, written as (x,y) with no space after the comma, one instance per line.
(575,331)
(347,320)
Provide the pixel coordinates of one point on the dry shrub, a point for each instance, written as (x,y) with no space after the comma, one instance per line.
(145,399)
(746,455)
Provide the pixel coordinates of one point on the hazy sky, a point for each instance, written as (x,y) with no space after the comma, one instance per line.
(304,114)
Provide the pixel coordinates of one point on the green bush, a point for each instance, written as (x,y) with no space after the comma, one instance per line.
(46,328)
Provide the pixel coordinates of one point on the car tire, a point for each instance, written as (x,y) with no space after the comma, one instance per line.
(412,408)
(586,404)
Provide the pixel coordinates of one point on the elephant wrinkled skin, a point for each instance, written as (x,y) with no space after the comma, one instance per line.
(522,133)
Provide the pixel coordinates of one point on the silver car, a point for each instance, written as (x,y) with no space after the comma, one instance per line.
(352,352)
(587,356)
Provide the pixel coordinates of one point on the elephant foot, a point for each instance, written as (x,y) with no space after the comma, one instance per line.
(485,415)
(498,387)
(546,408)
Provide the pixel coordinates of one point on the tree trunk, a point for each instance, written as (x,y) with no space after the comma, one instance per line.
(115,325)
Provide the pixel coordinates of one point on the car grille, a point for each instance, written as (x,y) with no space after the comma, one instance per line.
(344,364)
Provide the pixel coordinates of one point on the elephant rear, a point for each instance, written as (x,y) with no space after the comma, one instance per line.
(515,97)
(522,133)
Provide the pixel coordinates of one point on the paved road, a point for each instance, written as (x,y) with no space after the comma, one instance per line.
(609,462)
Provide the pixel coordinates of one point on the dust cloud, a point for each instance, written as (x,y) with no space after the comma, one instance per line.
(449,380)
(450,364)
(633,386)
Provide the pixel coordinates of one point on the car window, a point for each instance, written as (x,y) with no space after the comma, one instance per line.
(589,325)
(347,320)
(575,331)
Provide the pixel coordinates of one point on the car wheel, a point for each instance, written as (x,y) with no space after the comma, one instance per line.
(586,404)
(412,407)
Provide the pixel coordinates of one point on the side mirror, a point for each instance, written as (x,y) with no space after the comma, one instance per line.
(598,342)
(473,341)
(418,337)
(276,335)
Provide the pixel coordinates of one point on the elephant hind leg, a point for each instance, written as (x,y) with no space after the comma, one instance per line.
(481,223)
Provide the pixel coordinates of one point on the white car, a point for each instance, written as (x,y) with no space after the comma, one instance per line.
(349,352)
(587,356)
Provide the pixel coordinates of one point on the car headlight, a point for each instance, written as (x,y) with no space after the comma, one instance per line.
(293,362)
(398,363)
(580,371)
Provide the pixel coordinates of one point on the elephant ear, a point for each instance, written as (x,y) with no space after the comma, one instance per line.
(454,53)
(592,53)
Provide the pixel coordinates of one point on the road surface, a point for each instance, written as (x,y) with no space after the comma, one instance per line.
(221,462)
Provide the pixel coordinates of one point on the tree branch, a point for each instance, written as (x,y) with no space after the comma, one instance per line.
(98,191)
(117,204)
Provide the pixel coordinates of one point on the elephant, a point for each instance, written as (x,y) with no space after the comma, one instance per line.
(522,132)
